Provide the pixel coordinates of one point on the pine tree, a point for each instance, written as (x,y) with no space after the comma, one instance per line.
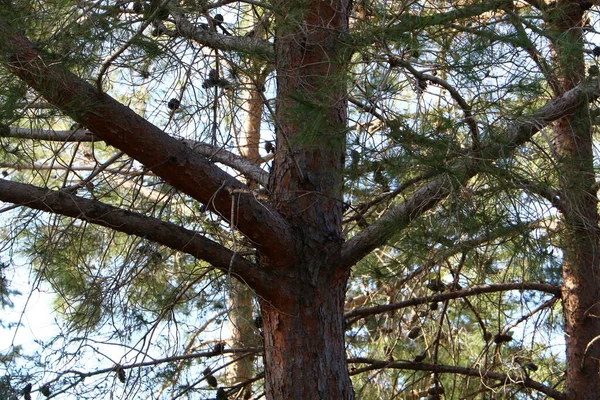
(422,212)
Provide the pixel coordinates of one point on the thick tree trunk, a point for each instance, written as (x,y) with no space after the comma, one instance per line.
(304,335)
(579,242)
(306,180)
(579,239)
(304,343)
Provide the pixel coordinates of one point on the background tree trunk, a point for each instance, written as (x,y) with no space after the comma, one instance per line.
(242,329)
(579,238)
(242,332)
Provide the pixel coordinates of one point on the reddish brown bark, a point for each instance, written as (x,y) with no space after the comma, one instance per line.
(306,180)
(304,342)
(166,156)
(581,296)
(301,279)
(304,336)
(169,234)
(579,239)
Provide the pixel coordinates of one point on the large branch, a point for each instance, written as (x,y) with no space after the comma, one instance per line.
(456,370)
(214,153)
(455,294)
(167,157)
(431,193)
(166,233)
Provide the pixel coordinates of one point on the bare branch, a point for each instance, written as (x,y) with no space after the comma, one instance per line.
(240,164)
(246,352)
(243,44)
(77,135)
(451,369)
(214,153)
(475,290)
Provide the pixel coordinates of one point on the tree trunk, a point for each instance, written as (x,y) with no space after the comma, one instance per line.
(579,239)
(304,342)
(579,242)
(252,103)
(304,335)
(306,179)
(241,328)
(241,333)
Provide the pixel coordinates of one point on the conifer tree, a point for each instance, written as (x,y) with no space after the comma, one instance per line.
(419,220)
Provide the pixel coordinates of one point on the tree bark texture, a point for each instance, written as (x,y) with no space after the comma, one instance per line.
(304,335)
(579,238)
(306,180)
(304,342)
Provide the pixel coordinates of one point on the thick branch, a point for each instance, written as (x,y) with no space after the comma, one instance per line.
(431,193)
(167,157)
(166,233)
(451,369)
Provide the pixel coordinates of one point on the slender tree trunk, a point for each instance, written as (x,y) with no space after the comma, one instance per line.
(252,105)
(579,239)
(242,333)
(242,329)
